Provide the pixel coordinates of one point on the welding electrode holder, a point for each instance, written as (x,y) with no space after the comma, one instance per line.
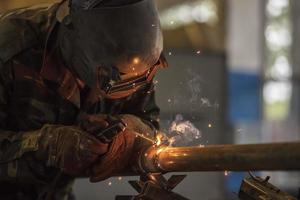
(116,125)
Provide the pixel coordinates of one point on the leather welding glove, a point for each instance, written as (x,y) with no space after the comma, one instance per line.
(102,126)
(95,124)
(40,154)
(123,148)
(68,148)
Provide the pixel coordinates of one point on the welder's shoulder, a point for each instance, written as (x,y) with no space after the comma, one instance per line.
(24,28)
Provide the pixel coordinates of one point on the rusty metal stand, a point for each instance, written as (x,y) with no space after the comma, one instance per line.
(155,186)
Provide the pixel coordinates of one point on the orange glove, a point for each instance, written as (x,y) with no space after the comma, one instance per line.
(122,149)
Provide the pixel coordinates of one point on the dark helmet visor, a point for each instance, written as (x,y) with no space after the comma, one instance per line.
(111,87)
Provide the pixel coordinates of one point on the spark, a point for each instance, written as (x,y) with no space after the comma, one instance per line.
(136,60)
(170,53)
(144,137)
(109,183)
(153,25)
(119,178)
(158,140)
(226,173)
(198,52)
(209,125)
(169,100)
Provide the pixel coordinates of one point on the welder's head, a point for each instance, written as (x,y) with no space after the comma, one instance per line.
(114,45)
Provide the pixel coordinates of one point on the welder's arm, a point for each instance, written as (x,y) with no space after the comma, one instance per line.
(39,155)
(12,144)
(140,116)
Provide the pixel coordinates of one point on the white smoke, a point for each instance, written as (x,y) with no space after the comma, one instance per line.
(194,86)
(183,132)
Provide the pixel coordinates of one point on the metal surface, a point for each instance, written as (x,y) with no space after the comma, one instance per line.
(278,156)
(155,187)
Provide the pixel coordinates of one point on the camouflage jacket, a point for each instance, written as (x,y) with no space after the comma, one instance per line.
(36,89)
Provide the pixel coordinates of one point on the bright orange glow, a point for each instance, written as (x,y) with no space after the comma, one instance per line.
(159,150)
(136,60)
(158,140)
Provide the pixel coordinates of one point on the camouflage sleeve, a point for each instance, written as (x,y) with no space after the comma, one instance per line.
(16,160)
(143,105)
(3,100)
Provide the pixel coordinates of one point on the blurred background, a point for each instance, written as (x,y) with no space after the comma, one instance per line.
(234,74)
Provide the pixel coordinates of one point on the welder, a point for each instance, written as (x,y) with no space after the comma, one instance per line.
(76,84)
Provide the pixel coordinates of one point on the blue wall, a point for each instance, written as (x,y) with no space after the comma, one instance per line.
(244,97)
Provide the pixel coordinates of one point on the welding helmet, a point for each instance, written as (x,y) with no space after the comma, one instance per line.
(115,45)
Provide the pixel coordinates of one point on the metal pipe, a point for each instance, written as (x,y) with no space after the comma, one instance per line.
(251,157)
